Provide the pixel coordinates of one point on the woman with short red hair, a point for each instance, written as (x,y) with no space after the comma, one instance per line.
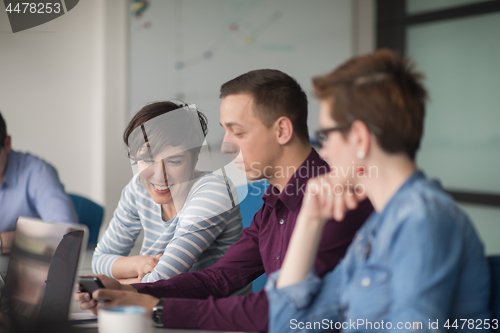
(416,263)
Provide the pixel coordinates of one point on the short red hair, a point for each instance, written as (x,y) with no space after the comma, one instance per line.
(382,90)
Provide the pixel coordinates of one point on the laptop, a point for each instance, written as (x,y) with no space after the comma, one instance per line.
(41,275)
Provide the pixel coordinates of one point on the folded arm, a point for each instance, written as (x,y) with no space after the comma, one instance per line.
(110,257)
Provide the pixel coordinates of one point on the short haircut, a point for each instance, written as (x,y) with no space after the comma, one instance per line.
(179,130)
(3,131)
(382,90)
(275,94)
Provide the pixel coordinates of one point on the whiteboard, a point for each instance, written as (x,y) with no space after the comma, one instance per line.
(186,49)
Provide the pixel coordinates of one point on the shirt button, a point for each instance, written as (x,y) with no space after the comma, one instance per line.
(278,257)
(282,221)
(365,282)
(359,238)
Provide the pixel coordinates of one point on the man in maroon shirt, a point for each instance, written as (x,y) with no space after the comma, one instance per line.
(264,113)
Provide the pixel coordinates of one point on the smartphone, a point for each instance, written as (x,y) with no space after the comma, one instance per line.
(90,284)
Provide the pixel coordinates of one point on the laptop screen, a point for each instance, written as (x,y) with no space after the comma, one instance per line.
(42,271)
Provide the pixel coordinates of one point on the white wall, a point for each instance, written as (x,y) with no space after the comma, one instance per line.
(63,92)
(170,40)
(364,23)
(63,96)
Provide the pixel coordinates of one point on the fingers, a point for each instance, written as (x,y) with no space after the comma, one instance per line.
(90,305)
(351,201)
(149,266)
(86,301)
(325,198)
(119,297)
(81,297)
(146,269)
(105,294)
(338,207)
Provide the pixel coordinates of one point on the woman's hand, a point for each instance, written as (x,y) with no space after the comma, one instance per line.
(133,267)
(325,199)
(149,266)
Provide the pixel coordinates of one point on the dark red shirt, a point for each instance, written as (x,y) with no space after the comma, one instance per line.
(200,299)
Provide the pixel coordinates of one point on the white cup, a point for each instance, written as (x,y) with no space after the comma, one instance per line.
(124,319)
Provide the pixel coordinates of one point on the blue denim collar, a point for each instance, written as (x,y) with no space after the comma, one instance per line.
(377,218)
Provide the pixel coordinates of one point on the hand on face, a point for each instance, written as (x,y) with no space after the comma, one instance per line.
(325,199)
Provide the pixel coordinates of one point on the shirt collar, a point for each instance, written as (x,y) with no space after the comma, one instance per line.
(12,170)
(294,191)
(409,182)
(417,175)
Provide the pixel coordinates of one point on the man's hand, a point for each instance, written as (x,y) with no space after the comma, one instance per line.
(149,266)
(119,298)
(89,303)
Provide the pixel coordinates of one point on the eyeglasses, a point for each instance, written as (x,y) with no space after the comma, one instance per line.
(322,134)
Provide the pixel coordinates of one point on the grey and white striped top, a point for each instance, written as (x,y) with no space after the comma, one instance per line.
(194,239)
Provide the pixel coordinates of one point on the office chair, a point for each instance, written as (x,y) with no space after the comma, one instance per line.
(90,214)
(248,207)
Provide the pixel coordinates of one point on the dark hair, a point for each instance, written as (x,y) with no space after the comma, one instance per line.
(179,129)
(275,94)
(3,131)
(382,90)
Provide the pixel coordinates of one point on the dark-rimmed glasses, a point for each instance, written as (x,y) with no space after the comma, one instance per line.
(322,134)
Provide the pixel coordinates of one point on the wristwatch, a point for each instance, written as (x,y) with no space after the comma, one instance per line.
(157,314)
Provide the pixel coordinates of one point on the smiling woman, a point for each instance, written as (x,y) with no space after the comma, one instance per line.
(188,216)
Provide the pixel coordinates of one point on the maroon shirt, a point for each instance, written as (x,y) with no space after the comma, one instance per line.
(200,299)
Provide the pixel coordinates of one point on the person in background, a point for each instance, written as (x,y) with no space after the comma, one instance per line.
(29,187)
(417,263)
(189,217)
(264,115)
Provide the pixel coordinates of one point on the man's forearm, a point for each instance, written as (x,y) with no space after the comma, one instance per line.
(238,313)
(201,284)
(128,287)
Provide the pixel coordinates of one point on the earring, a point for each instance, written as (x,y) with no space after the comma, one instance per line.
(360,154)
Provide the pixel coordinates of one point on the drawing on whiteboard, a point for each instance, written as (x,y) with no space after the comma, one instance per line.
(240,36)
(193,46)
(138,7)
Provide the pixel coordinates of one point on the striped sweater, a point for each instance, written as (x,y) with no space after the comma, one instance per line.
(195,238)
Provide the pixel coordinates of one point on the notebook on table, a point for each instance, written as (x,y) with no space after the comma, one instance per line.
(41,275)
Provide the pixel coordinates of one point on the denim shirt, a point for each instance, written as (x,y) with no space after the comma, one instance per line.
(416,266)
